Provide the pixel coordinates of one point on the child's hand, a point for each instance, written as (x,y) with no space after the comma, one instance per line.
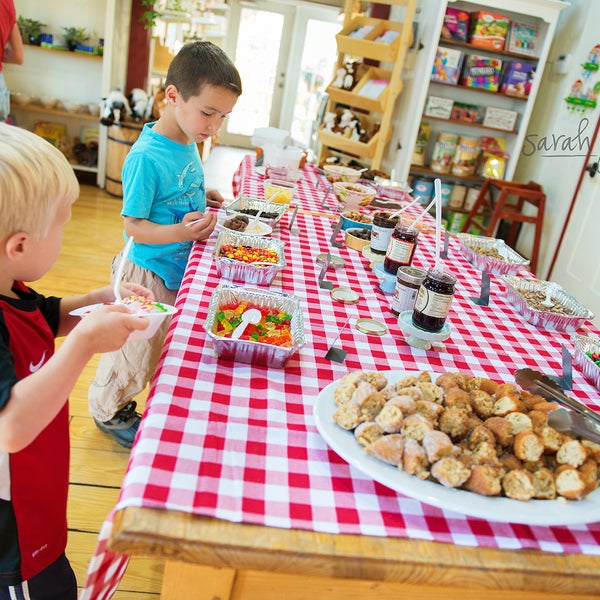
(214,198)
(107,328)
(199,226)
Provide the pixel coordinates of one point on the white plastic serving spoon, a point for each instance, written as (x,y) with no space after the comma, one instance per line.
(249,316)
(119,275)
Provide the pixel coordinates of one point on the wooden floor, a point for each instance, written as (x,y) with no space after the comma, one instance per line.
(98,464)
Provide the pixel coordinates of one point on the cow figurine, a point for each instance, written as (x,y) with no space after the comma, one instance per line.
(140,104)
(116,108)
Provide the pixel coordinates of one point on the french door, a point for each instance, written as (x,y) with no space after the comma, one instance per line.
(286,55)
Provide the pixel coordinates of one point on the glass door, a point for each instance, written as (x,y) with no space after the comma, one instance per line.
(285,54)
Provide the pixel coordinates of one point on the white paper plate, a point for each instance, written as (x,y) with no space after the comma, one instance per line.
(533,512)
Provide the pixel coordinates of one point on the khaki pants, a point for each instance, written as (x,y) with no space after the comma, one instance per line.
(123,374)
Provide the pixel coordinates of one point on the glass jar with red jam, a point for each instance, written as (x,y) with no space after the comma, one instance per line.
(402,246)
(382,230)
(433,300)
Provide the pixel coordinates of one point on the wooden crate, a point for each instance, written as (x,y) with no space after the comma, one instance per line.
(367,46)
(353,98)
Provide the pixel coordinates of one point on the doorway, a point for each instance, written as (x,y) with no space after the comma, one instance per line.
(286,55)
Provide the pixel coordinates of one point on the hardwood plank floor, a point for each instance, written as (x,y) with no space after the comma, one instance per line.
(98,464)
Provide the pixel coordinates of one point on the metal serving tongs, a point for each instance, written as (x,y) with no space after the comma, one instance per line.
(579,418)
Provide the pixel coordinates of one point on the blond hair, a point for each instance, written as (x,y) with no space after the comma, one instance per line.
(35,181)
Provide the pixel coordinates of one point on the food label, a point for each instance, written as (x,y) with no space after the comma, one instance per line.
(400,251)
(433,304)
(404,298)
(380,238)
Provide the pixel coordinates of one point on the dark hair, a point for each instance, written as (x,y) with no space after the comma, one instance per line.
(200,63)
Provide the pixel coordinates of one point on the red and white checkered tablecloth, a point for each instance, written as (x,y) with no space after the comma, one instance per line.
(220,438)
(313,193)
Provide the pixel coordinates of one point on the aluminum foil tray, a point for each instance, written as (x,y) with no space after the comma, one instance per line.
(469,244)
(589,368)
(543,318)
(235,270)
(257,353)
(245,203)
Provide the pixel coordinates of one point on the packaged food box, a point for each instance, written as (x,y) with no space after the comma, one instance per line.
(447,65)
(488,30)
(438,107)
(443,152)
(464,112)
(517,79)
(500,118)
(456,25)
(523,38)
(482,72)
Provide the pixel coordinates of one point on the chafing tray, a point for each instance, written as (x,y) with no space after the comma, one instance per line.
(473,248)
(257,353)
(589,368)
(546,319)
(235,270)
(245,203)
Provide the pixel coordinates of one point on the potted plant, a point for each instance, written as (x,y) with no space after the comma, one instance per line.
(75,36)
(31,30)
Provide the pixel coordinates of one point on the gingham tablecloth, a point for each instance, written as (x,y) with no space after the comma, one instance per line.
(313,192)
(220,438)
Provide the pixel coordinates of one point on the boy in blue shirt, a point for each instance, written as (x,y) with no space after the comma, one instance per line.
(164,208)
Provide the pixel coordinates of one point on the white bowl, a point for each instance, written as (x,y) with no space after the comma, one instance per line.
(48,102)
(20,98)
(341,173)
(94,108)
(353,195)
(155,320)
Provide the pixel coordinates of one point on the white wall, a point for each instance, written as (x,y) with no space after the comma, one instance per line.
(557,165)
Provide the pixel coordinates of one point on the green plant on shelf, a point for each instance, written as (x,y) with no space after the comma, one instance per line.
(31,30)
(75,36)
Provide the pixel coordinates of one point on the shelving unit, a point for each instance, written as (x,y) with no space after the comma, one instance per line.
(372,112)
(541,13)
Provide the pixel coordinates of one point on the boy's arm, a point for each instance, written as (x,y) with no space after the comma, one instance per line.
(194,226)
(13,52)
(36,399)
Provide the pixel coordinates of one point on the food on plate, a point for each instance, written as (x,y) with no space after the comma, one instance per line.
(465,432)
(358,217)
(237,223)
(273,328)
(249,254)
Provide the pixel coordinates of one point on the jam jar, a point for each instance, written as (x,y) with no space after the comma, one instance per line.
(433,300)
(401,249)
(408,282)
(381,232)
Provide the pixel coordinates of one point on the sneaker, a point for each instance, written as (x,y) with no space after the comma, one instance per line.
(123,426)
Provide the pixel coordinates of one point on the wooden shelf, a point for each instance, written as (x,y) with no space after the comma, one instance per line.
(426,171)
(55,112)
(478,49)
(353,99)
(476,125)
(479,90)
(65,51)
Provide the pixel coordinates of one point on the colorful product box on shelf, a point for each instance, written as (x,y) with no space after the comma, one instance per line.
(517,79)
(500,118)
(447,65)
(456,220)
(440,108)
(523,38)
(488,30)
(469,113)
(482,72)
(456,25)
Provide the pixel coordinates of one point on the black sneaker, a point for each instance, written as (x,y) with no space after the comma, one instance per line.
(123,426)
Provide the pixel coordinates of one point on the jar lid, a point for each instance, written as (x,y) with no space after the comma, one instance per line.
(412,275)
(371,326)
(345,295)
(336,262)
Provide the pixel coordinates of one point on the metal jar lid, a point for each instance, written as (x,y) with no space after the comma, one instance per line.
(411,275)
(345,295)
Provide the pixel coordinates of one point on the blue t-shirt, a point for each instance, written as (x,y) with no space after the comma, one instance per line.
(162,181)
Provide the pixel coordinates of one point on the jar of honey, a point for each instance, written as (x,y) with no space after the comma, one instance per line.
(381,231)
(433,300)
(402,246)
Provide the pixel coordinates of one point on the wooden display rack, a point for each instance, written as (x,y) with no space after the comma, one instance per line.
(383,105)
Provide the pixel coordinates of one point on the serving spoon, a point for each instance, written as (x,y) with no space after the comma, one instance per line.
(120,268)
(249,316)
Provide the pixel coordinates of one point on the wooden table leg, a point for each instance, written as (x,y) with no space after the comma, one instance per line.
(207,583)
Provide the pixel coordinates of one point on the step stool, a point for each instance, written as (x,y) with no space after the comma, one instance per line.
(531,193)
